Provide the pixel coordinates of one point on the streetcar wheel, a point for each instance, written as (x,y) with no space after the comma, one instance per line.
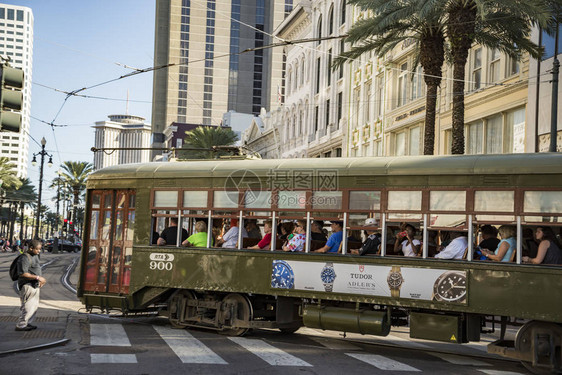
(543,332)
(235,307)
(289,330)
(177,304)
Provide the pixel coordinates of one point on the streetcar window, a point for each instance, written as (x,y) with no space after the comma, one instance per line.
(106,225)
(356,220)
(195,198)
(96,200)
(118,226)
(446,200)
(132,200)
(165,198)
(130,226)
(494,201)
(257,199)
(225,199)
(326,200)
(364,200)
(292,199)
(447,221)
(94,223)
(543,201)
(405,200)
(121,200)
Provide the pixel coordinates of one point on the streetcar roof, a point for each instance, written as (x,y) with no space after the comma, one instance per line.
(537,163)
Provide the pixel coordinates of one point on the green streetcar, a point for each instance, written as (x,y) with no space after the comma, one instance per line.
(232,290)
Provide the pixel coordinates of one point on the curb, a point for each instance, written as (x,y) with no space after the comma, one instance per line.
(36,347)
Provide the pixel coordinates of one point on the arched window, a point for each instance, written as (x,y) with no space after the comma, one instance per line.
(342,19)
(331,20)
(302,71)
(319,31)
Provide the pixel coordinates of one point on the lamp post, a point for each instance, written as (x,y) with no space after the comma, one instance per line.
(43,153)
(57,238)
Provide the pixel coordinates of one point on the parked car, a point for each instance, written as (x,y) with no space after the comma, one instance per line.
(66,246)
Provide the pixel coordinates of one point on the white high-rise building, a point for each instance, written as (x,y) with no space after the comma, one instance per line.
(122,131)
(16,44)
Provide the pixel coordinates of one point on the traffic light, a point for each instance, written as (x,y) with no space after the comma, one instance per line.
(11,98)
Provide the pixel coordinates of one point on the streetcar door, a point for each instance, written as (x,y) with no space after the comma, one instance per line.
(110,242)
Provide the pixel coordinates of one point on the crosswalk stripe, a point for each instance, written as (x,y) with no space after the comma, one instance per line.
(187,347)
(270,354)
(499,372)
(459,360)
(381,362)
(108,335)
(113,358)
(405,341)
(335,344)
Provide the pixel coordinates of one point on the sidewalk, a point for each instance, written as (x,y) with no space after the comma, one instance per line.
(57,321)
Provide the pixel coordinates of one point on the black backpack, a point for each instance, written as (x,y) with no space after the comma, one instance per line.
(14,267)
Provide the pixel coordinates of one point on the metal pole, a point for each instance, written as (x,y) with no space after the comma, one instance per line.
(554,100)
(38,215)
(56,248)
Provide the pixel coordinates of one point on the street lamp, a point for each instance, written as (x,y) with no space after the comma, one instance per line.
(43,153)
(57,240)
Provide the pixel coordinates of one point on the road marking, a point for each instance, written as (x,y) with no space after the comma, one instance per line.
(187,347)
(460,360)
(270,354)
(381,362)
(113,358)
(499,372)
(405,341)
(108,335)
(335,344)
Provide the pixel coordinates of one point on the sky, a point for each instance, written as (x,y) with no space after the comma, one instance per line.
(77,44)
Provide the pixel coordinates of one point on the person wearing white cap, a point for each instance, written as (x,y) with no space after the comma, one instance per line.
(372,243)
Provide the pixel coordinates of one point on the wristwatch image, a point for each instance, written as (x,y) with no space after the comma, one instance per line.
(282,275)
(395,281)
(450,286)
(328,275)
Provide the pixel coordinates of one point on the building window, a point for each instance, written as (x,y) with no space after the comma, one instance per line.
(448,140)
(414,141)
(378,148)
(318,75)
(316,114)
(327,113)
(475,138)
(400,144)
(342,18)
(418,84)
(339,105)
(331,20)
(402,85)
(356,105)
(494,65)
(380,96)
(512,66)
(338,152)
(342,49)
(476,76)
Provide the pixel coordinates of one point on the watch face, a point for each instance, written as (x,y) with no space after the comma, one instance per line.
(328,275)
(394,280)
(282,275)
(450,287)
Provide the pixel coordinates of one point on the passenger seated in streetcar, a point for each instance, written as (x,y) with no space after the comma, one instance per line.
(230,238)
(354,236)
(169,236)
(286,229)
(490,239)
(456,249)
(297,242)
(549,249)
(199,238)
(265,242)
(316,231)
(333,244)
(406,242)
(432,242)
(251,226)
(506,248)
(529,246)
(372,244)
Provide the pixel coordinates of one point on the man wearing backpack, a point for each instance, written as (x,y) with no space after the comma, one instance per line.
(29,283)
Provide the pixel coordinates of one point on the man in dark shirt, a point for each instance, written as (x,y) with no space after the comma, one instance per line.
(252,228)
(29,283)
(316,232)
(490,238)
(372,243)
(169,236)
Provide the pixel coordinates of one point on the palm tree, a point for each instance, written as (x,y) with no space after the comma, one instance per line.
(393,22)
(501,24)
(8,174)
(19,197)
(205,138)
(74,175)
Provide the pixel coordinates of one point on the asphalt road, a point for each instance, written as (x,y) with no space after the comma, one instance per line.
(102,344)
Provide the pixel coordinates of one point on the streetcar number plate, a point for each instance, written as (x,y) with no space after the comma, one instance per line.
(162,257)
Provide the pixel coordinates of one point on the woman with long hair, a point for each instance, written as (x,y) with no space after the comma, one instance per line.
(549,250)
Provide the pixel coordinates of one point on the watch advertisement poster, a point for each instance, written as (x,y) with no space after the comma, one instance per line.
(426,284)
